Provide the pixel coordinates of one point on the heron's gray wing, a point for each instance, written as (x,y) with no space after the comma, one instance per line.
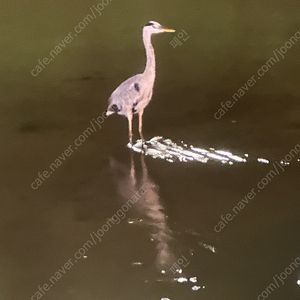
(127,95)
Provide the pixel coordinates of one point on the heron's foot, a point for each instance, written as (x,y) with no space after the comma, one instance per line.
(143,142)
(130,145)
(142,137)
(144,147)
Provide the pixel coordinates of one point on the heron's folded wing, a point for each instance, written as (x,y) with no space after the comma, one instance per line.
(128,93)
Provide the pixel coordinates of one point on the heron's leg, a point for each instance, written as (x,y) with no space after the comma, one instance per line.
(130,128)
(141,125)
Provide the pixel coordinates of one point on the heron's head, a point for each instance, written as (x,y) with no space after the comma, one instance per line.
(154,27)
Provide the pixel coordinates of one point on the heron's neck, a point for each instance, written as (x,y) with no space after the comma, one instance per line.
(150,65)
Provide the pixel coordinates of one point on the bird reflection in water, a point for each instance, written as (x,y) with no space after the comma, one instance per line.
(149,208)
(149,211)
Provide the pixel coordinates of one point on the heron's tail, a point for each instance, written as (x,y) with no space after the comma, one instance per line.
(112,109)
(108,113)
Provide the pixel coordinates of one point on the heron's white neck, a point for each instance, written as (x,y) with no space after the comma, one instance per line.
(150,65)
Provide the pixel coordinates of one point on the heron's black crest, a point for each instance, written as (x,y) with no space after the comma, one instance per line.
(149,24)
(137,87)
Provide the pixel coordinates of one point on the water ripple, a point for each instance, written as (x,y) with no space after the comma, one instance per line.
(165,149)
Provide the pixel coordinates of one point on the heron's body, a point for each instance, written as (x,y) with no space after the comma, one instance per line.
(131,96)
(134,94)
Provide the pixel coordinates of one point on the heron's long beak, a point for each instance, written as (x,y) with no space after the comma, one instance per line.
(167,29)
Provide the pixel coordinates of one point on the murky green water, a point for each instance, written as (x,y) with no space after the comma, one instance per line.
(167,238)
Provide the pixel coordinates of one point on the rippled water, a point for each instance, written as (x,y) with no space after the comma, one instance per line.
(158,147)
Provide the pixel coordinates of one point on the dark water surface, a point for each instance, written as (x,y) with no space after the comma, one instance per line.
(50,248)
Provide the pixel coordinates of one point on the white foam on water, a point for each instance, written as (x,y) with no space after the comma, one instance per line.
(263,160)
(182,279)
(166,149)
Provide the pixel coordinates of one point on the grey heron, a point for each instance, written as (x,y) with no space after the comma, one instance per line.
(134,94)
